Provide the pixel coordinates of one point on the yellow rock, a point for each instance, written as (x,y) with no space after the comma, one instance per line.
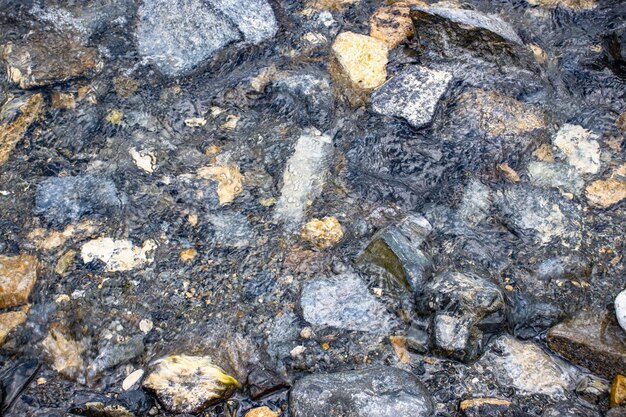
(478,402)
(362,58)
(229,181)
(322,233)
(618,391)
(188,255)
(12,132)
(539,53)
(605,193)
(65,352)
(115,117)
(125,86)
(262,412)
(65,262)
(9,321)
(329,4)
(392,24)
(17,279)
(399,346)
(621,122)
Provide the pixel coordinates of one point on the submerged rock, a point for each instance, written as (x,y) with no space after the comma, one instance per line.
(344,302)
(556,175)
(189,384)
(229,181)
(362,59)
(570,409)
(620,309)
(580,147)
(261,412)
(392,24)
(606,193)
(322,233)
(413,95)
(117,255)
(372,392)
(232,230)
(492,407)
(9,321)
(65,352)
(18,275)
(12,131)
(618,391)
(571,4)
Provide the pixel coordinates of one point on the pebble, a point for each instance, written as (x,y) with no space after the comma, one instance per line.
(12,131)
(118,255)
(18,275)
(606,193)
(145,325)
(362,58)
(145,160)
(618,391)
(580,147)
(492,407)
(189,384)
(261,412)
(65,352)
(132,379)
(620,309)
(322,233)
(188,255)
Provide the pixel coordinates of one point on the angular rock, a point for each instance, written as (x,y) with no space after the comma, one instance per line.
(322,233)
(620,309)
(371,392)
(362,59)
(189,384)
(254,18)
(555,175)
(344,302)
(114,353)
(261,412)
(392,24)
(606,193)
(474,207)
(492,407)
(262,382)
(17,279)
(571,4)
(12,129)
(117,255)
(9,321)
(65,352)
(412,95)
(66,199)
(593,340)
(580,147)
(48,58)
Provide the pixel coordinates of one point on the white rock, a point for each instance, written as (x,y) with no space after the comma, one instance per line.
(118,255)
(620,309)
(145,325)
(580,147)
(144,160)
(132,379)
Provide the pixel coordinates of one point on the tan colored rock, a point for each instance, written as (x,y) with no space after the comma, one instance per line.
(329,4)
(17,279)
(621,122)
(362,59)
(9,321)
(570,4)
(399,346)
(322,233)
(509,173)
(580,146)
(392,24)
(605,193)
(188,255)
(544,153)
(65,262)
(477,402)
(65,352)
(189,384)
(262,412)
(13,131)
(61,100)
(229,181)
(618,391)
(539,53)
(125,86)
(118,255)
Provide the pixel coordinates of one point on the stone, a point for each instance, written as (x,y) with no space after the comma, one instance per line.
(509,173)
(9,321)
(145,160)
(117,255)
(67,199)
(262,382)
(189,384)
(492,407)
(412,95)
(322,233)
(476,203)
(48,58)
(187,255)
(606,193)
(177,36)
(232,230)
(12,129)
(526,367)
(616,412)
(570,4)
(569,409)
(370,392)
(304,177)
(115,352)
(330,4)
(580,147)
(60,100)
(65,352)
(229,181)
(392,24)
(261,412)
(593,340)
(343,302)
(620,309)
(618,391)
(132,379)
(592,389)
(555,175)
(18,275)
(620,123)
(362,58)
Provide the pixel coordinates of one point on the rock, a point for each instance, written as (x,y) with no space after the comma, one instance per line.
(343,302)
(618,391)
(132,379)
(137,401)
(492,407)
(261,412)
(27,110)
(392,24)
(555,175)
(9,321)
(60,100)
(370,392)
(304,177)
(229,181)
(524,366)
(189,384)
(418,337)
(145,160)
(460,301)
(509,173)
(67,199)
(363,59)
(17,279)
(592,389)
(232,230)
(177,36)
(14,378)
(330,4)
(593,340)
(580,147)
(569,409)
(606,193)
(65,352)
(114,353)
(117,255)
(322,233)
(620,309)
(616,412)
(48,58)
(262,382)
(620,123)
(571,4)
(413,95)
(476,203)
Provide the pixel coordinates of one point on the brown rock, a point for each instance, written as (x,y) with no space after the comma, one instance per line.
(63,100)
(17,278)
(262,412)
(9,321)
(362,59)
(329,4)
(509,173)
(12,132)
(605,193)
(621,122)
(322,233)
(492,407)
(570,4)
(618,391)
(392,24)
(65,352)
(229,181)
(544,153)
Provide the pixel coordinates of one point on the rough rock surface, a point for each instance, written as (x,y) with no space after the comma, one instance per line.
(580,147)
(392,24)
(362,59)
(12,131)
(620,309)
(117,255)
(371,392)
(492,407)
(606,193)
(323,233)
(17,279)
(413,95)
(556,175)
(9,321)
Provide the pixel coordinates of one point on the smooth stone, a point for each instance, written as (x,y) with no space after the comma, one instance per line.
(580,148)
(229,181)
(261,412)
(412,95)
(262,382)
(362,59)
(620,309)
(17,116)
(577,5)
(618,391)
(114,353)
(344,302)
(476,203)
(18,275)
(370,392)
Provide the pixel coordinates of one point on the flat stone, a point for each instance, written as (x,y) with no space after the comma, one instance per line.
(17,279)
(189,384)
(620,309)
(580,147)
(12,131)
(412,95)
(555,175)
(569,409)
(371,392)
(593,340)
(362,58)
(606,193)
(118,255)
(322,233)
(232,230)
(343,302)
(254,18)
(9,321)
(392,24)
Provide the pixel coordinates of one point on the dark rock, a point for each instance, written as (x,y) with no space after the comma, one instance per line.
(593,340)
(616,412)
(67,199)
(567,409)
(14,378)
(592,388)
(418,336)
(378,391)
(136,401)
(262,382)
(113,354)
(528,317)
(492,407)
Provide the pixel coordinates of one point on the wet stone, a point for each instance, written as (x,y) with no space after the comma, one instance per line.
(261,412)
(620,309)
(580,147)
(570,409)
(362,59)
(493,407)
(618,391)
(371,392)
(18,275)
(9,321)
(118,255)
(262,382)
(606,193)
(64,351)
(322,233)
(412,95)
(16,116)
(555,175)
(343,302)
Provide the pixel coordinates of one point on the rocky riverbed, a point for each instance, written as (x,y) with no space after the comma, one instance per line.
(313,208)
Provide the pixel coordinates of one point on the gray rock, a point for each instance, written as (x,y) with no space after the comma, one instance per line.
(555,175)
(344,302)
(620,309)
(373,392)
(114,353)
(413,95)
(570,409)
(476,202)
(67,199)
(254,18)
(232,230)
